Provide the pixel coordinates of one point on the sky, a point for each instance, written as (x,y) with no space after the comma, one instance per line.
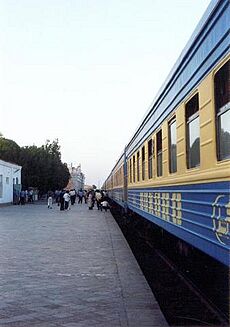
(87,71)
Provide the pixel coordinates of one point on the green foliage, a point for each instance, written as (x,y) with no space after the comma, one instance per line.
(41,166)
(9,150)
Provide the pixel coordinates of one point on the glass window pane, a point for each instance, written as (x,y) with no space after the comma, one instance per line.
(130,170)
(143,170)
(222,86)
(134,171)
(138,166)
(150,167)
(143,163)
(159,164)
(194,143)
(150,155)
(224,135)
(159,153)
(222,104)
(172,148)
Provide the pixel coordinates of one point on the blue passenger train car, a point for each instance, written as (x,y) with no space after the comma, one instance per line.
(175,169)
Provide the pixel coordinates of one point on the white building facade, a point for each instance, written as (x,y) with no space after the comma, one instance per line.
(10,182)
(77,177)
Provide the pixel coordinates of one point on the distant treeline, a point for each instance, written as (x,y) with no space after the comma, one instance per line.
(41,166)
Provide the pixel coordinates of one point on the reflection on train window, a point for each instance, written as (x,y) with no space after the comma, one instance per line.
(159,153)
(138,166)
(134,172)
(193,132)
(143,162)
(172,146)
(150,158)
(222,104)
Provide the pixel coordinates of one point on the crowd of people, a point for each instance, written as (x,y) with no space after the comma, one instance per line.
(67,198)
(26,196)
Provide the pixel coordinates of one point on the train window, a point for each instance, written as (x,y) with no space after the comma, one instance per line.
(222,105)
(143,162)
(130,170)
(138,166)
(193,132)
(134,171)
(172,146)
(150,158)
(159,153)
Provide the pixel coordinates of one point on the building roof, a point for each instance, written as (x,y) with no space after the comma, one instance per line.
(9,164)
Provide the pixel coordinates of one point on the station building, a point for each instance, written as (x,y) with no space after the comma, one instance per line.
(10,182)
(77,178)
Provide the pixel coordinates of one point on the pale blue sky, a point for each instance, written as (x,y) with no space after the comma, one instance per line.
(86,71)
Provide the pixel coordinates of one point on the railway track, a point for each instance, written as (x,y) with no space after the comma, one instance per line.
(195,296)
(181,300)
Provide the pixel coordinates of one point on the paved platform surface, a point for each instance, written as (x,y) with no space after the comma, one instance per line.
(70,269)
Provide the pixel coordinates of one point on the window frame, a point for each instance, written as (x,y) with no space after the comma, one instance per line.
(189,118)
(159,153)
(219,112)
(134,170)
(143,162)
(150,158)
(138,166)
(130,170)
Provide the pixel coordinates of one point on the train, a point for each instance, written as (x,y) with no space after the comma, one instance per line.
(174,171)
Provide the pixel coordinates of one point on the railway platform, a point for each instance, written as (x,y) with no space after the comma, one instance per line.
(70,269)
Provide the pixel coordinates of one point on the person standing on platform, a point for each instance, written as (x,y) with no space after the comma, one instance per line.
(67,200)
(30,198)
(75,195)
(72,196)
(98,197)
(90,201)
(62,201)
(50,200)
(104,205)
(85,196)
(57,197)
(22,197)
(80,196)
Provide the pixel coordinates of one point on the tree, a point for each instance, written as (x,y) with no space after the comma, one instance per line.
(9,150)
(41,166)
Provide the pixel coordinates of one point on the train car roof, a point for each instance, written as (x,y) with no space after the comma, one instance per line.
(195,35)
